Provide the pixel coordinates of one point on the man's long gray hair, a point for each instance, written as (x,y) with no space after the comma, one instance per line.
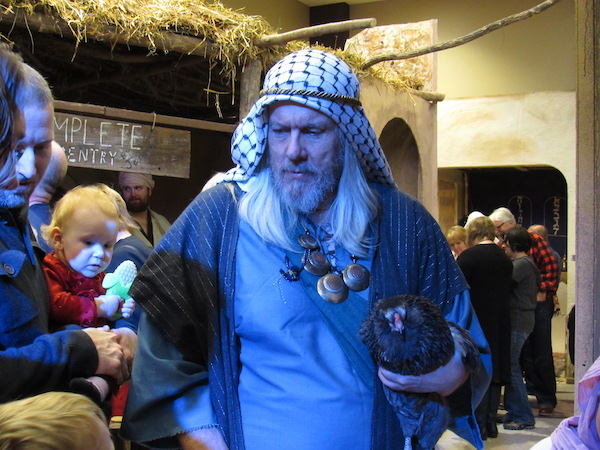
(351,213)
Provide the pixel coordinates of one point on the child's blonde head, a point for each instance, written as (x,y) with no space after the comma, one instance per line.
(52,421)
(76,198)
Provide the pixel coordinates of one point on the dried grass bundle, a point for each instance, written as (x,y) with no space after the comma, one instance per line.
(356,61)
(231,32)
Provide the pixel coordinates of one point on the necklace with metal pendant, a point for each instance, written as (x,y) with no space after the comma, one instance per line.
(333,285)
(332,289)
(356,276)
(315,262)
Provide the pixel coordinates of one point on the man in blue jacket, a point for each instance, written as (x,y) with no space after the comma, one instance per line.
(32,360)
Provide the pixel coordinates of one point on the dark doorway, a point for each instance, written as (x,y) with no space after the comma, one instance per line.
(535,195)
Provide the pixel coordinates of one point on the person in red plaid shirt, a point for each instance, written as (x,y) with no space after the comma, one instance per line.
(536,355)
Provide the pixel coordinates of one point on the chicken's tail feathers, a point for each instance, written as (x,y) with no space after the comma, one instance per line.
(468,348)
(423,417)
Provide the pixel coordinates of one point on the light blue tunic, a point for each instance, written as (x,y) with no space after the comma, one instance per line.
(295,378)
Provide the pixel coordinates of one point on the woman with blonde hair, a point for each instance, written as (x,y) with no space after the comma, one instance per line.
(457,238)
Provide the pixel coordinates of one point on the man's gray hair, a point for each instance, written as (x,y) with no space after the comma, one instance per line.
(502,215)
(35,90)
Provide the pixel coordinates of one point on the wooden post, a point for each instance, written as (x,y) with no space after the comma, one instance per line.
(587,247)
(250,86)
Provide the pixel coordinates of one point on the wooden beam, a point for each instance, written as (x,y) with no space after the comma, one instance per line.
(165,41)
(429,96)
(586,256)
(249,86)
(151,118)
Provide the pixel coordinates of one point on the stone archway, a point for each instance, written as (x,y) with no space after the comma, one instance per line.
(400,147)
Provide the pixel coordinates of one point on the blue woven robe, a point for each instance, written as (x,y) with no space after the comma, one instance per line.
(187,289)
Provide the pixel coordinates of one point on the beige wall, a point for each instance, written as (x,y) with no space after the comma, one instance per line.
(536,129)
(537,54)
(283,15)
(383,105)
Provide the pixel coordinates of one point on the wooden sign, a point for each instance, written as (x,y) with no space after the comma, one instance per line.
(104,143)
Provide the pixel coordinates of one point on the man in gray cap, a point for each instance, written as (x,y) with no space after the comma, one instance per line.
(253,299)
(136,189)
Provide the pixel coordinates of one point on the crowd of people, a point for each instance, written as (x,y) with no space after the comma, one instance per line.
(513,279)
(247,309)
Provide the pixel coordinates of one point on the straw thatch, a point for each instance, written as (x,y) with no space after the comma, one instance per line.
(231,32)
(125,53)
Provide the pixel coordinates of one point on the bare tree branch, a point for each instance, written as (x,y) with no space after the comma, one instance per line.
(317,30)
(429,96)
(464,39)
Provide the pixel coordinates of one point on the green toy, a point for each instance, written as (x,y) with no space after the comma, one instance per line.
(119,282)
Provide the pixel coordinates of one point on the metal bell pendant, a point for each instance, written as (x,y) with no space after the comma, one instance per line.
(332,289)
(317,264)
(356,276)
(308,242)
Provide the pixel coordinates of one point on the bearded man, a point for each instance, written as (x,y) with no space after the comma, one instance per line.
(136,189)
(254,298)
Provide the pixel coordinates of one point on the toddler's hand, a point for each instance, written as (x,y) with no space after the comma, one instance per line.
(128,308)
(107,305)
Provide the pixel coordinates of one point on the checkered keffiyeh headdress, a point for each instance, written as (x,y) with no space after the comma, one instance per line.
(323,82)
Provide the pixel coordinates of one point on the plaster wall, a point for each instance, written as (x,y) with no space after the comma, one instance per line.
(537,129)
(382,104)
(536,54)
(283,15)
